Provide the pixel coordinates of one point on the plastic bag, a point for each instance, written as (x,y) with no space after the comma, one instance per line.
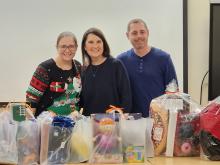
(81,140)
(28,142)
(133,132)
(210,130)
(55,137)
(28,134)
(176,125)
(107,146)
(8,131)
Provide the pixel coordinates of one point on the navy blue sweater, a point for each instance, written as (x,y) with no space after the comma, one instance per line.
(105,84)
(148,76)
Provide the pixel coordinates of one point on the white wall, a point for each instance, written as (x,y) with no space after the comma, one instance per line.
(198,45)
(29,29)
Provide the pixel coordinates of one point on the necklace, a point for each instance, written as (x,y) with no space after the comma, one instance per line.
(95,66)
(94,70)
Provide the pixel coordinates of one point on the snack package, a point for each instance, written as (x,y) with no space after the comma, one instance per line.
(210,130)
(176,124)
(107,146)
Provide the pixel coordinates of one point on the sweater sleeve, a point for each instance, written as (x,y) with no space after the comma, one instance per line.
(38,84)
(170,73)
(123,87)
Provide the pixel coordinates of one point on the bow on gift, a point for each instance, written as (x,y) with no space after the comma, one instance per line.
(113,109)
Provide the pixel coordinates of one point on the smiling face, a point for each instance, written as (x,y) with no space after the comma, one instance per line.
(66,48)
(94,46)
(138,35)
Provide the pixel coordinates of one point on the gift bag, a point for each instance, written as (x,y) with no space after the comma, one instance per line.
(28,134)
(55,138)
(81,140)
(133,132)
(176,125)
(8,131)
(210,130)
(28,142)
(107,146)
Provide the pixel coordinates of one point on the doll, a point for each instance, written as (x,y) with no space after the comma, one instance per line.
(106,138)
(107,142)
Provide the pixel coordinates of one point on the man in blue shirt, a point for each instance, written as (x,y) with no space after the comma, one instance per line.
(150,69)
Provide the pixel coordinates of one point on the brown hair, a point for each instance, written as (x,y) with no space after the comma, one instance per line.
(66,34)
(136,20)
(85,57)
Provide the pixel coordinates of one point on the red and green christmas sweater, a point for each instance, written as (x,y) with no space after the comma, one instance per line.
(54,89)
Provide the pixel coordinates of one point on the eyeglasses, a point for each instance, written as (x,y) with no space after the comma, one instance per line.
(64,47)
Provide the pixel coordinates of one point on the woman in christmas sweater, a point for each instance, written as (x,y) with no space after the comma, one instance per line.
(56,84)
(104,81)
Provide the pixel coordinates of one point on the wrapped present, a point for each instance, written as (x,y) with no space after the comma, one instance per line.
(210,130)
(107,146)
(176,125)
